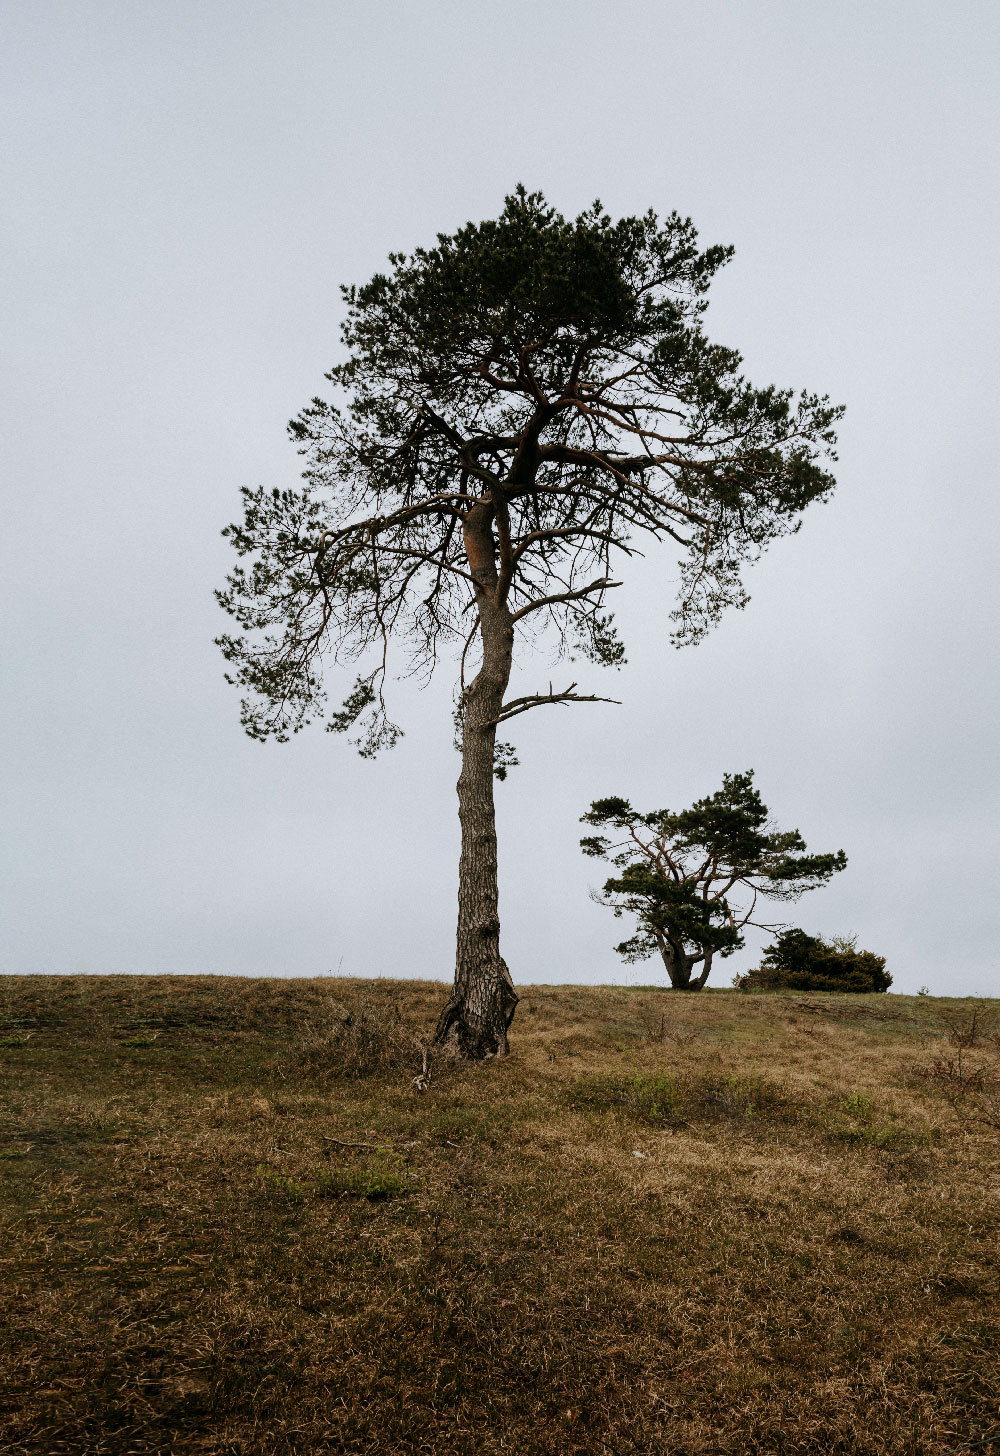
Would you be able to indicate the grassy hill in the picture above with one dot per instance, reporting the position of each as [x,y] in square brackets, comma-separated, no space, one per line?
[233,1223]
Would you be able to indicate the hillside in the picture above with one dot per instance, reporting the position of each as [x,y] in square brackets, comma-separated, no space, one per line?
[667,1224]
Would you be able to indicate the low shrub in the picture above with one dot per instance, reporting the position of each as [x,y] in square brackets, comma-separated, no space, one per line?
[801,962]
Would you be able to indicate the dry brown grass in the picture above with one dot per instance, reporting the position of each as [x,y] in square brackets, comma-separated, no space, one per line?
[802,1259]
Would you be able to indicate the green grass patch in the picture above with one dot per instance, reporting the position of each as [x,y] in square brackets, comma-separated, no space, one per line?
[677,1099]
[379,1179]
[672,1100]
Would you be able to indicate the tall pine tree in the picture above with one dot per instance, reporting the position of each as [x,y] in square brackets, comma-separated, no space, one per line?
[518,407]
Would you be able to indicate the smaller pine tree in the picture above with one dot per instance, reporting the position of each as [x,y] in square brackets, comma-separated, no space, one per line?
[801,962]
[693,879]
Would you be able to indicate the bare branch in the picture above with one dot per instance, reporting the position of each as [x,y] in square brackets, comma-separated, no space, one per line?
[536,700]
[602,584]
[567,533]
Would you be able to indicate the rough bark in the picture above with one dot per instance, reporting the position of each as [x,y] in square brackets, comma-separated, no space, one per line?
[680,966]
[700,980]
[475,1021]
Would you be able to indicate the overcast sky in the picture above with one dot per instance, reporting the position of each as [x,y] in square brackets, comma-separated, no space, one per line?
[185,186]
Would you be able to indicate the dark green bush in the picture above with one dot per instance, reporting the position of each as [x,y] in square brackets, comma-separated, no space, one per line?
[800,962]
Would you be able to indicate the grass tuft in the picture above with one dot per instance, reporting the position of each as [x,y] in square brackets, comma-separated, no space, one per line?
[364,1037]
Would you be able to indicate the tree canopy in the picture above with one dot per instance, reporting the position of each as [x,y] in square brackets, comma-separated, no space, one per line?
[693,879]
[556,373]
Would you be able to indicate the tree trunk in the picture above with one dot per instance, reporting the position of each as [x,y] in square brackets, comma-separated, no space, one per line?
[680,965]
[699,981]
[475,1021]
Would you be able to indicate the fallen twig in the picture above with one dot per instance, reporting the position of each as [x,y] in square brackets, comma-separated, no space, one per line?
[423,1078]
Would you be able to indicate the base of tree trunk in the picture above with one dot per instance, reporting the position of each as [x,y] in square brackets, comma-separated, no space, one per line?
[475,1021]
[682,976]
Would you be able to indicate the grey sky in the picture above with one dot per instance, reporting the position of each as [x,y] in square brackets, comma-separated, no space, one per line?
[186,185]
